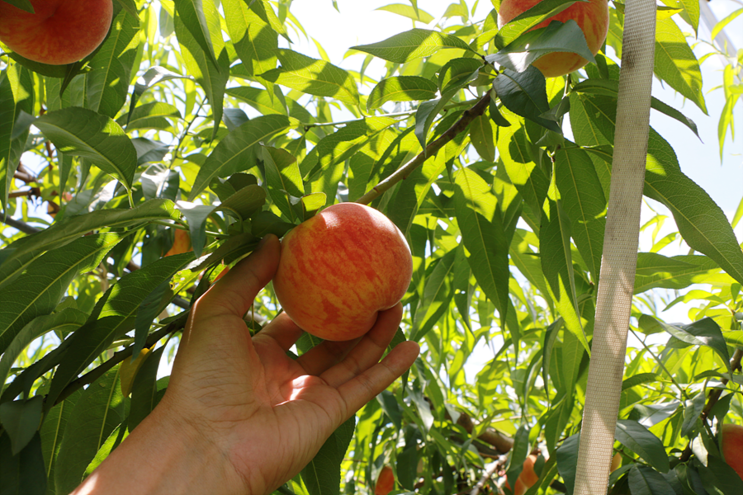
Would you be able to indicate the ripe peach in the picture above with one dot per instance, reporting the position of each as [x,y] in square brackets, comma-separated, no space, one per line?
[732,446]
[58,32]
[527,478]
[385,481]
[340,268]
[592,18]
[181,244]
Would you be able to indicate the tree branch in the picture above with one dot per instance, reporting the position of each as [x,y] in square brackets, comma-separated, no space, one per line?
[404,171]
[96,373]
[486,477]
[714,396]
[17,224]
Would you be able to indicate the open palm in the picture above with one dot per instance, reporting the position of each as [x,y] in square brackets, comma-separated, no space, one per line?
[266,412]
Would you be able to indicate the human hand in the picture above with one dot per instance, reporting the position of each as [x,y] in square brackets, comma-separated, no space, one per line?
[246,415]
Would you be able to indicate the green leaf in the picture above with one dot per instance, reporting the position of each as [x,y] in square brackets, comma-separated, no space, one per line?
[130,7]
[676,64]
[557,37]
[21,419]
[198,17]
[107,84]
[147,311]
[196,216]
[567,460]
[144,389]
[401,88]
[255,41]
[723,23]
[482,136]
[646,481]
[610,87]
[314,77]
[483,236]
[96,414]
[530,18]
[525,94]
[437,295]
[701,222]
[153,115]
[27,249]
[236,151]
[676,272]
[51,432]
[67,317]
[584,202]
[16,96]
[22,474]
[45,282]
[692,409]
[412,44]
[322,476]
[704,332]
[642,442]
[283,178]
[21,4]
[212,73]
[95,137]
[245,202]
[408,11]
[557,419]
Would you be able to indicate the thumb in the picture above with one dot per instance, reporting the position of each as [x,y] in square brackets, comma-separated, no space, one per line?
[235,292]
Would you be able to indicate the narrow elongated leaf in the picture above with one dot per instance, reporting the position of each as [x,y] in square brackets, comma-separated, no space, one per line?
[584,202]
[408,11]
[27,249]
[153,115]
[236,152]
[22,474]
[677,272]
[144,389]
[52,431]
[196,216]
[20,420]
[567,460]
[701,222]
[22,4]
[67,317]
[46,281]
[530,18]
[401,88]
[322,476]
[437,295]
[642,442]
[676,64]
[525,94]
[482,136]
[211,69]
[245,202]
[254,40]
[148,310]
[95,137]
[283,178]
[557,37]
[107,84]
[16,96]
[483,236]
[704,332]
[195,16]
[412,44]
[557,267]
[314,77]
[96,414]
[646,481]
[116,312]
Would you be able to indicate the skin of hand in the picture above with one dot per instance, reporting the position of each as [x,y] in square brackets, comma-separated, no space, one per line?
[240,416]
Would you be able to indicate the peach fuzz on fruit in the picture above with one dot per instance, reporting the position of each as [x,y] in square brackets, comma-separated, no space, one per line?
[592,17]
[58,32]
[340,268]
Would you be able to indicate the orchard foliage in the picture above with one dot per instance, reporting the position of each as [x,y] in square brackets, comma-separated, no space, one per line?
[204,117]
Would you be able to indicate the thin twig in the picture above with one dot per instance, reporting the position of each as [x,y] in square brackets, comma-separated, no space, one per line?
[714,396]
[17,224]
[404,171]
[96,373]
[485,478]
